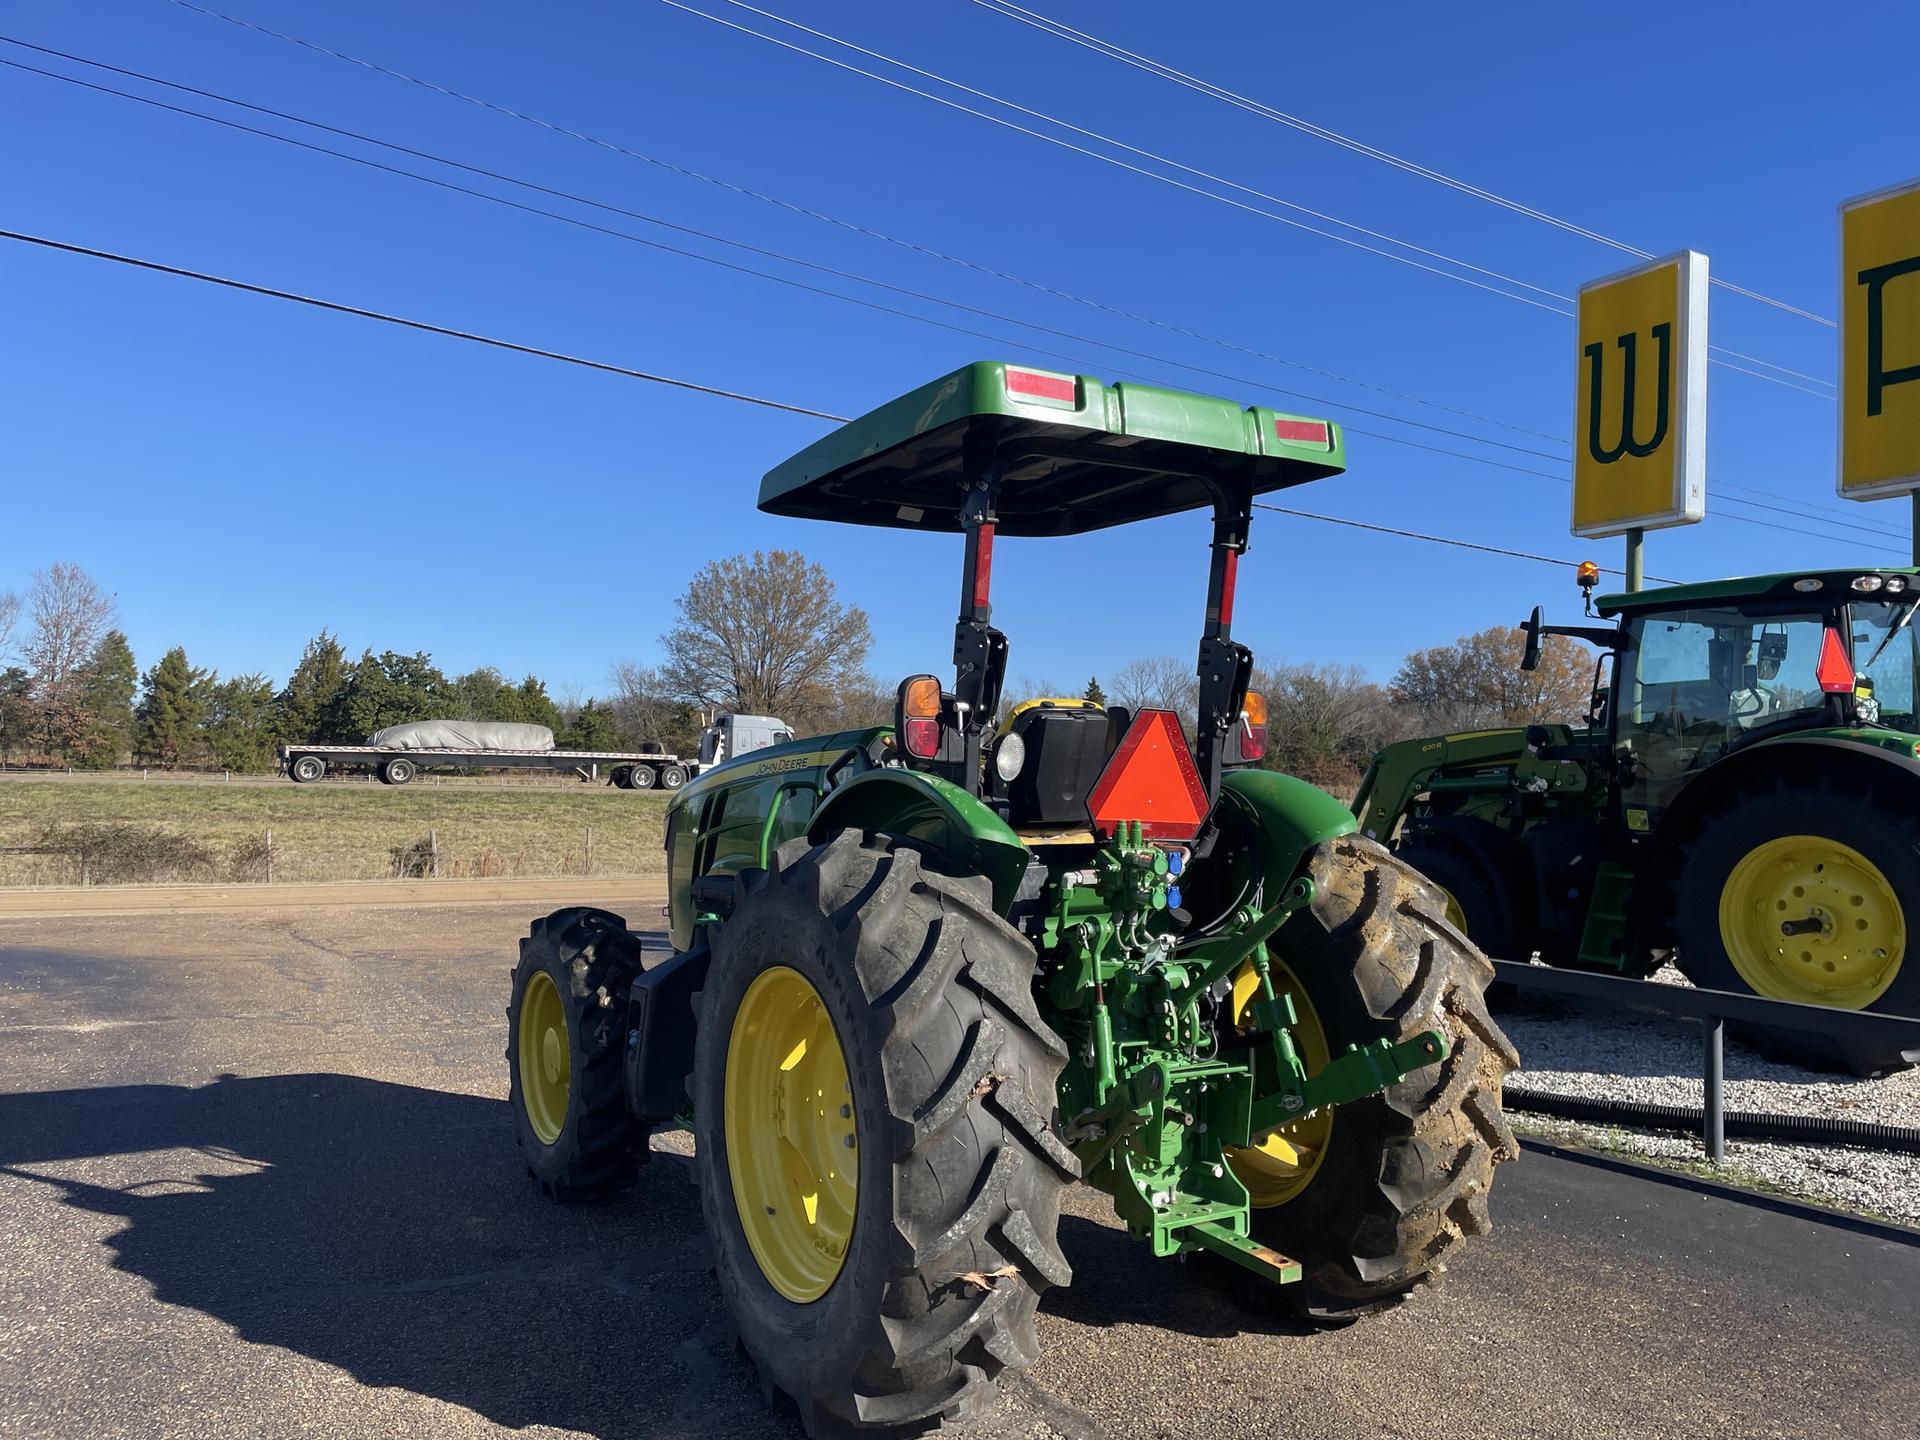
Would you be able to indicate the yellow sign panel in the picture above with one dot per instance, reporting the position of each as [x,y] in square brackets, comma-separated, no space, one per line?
[1880,343]
[1640,431]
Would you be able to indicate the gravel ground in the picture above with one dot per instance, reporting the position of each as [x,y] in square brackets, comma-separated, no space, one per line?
[1617,1055]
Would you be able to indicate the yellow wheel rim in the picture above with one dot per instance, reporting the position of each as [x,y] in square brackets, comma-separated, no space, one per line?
[1456,917]
[1284,1163]
[1807,918]
[792,1146]
[546,1057]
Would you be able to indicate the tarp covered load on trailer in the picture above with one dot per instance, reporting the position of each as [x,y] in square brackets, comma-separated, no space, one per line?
[462,735]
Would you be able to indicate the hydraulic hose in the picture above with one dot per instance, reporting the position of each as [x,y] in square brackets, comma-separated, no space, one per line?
[1740,1124]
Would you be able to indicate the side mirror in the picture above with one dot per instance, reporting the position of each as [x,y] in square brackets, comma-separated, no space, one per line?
[1531,660]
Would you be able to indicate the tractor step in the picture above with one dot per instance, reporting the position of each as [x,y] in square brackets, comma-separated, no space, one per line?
[1251,1255]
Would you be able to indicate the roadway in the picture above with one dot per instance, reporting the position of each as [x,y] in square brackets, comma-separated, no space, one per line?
[257,1177]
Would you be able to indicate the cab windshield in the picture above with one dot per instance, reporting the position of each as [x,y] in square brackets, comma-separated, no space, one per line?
[1883,653]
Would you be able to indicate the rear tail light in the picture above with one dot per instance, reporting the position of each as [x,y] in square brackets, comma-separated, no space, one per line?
[1834,670]
[1252,730]
[917,711]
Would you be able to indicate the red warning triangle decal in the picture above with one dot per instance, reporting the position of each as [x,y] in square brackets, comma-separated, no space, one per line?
[1151,778]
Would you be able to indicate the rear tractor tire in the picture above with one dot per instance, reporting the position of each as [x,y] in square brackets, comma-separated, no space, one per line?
[1811,893]
[874,1101]
[1372,1196]
[566,1051]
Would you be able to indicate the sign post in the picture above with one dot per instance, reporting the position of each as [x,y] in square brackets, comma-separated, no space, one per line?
[1879,450]
[1640,411]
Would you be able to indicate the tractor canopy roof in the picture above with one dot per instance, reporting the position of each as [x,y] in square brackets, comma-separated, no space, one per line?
[1811,585]
[1076,454]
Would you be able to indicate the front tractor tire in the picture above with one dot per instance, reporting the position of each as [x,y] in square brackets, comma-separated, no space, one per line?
[1806,892]
[566,1054]
[1372,1196]
[874,1101]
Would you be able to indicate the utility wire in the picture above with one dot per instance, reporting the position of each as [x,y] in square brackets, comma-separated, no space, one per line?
[788,205]
[274,293]
[1061,30]
[340,308]
[1817,511]
[1462,544]
[1558,309]
[674,250]
[1319,400]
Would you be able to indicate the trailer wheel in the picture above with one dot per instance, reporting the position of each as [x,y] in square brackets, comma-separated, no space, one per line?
[672,777]
[640,777]
[874,1095]
[307,769]
[396,772]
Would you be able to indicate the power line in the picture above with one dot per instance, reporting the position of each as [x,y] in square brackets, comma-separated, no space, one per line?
[1319,400]
[338,307]
[1815,511]
[1443,540]
[452,334]
[1062,31]
[1558,309]
[748,270]
[778,202]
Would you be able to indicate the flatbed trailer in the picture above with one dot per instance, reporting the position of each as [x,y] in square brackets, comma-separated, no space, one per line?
[630,770]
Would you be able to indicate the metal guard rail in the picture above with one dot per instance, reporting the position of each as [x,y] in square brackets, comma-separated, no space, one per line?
[1713,1008]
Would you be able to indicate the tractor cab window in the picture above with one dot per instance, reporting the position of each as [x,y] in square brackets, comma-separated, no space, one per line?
[1701,679]
[1883,653]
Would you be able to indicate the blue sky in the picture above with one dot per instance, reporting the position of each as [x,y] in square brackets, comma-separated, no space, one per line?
[242,472]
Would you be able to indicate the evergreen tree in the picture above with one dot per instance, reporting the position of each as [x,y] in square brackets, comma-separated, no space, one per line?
[301,708]
[107,688]
[240,723]
[16,713]
[534,706]
[590,729]
[173,706]
[1094,692]
[387,689]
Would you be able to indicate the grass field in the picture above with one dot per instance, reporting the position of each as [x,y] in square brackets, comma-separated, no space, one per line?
[66,832]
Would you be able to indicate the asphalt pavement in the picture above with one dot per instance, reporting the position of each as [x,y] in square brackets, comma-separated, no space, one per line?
[257,1178]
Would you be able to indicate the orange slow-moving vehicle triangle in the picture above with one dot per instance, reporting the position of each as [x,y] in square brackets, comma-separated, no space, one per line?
[1151,778]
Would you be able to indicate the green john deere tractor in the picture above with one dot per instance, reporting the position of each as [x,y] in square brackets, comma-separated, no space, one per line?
[926,976]
[1744,798]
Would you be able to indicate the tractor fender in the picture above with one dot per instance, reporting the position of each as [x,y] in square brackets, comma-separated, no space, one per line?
[1865,763]
[936,812]
[1292,817]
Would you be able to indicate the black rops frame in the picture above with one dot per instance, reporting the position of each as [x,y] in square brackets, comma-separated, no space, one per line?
[1224,666]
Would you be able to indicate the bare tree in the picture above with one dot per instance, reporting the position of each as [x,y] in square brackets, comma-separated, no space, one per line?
[765,634]
[1477,680]
[9,617]
[645,712]
[1157,682]
[70,614]
[1324,722]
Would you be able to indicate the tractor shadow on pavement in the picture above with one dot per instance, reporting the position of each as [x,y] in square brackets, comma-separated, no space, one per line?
[390,1231]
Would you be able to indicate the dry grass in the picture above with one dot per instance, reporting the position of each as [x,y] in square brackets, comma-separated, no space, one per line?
[77,831]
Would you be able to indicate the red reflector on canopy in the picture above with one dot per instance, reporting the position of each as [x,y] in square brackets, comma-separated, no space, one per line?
[1042,387]
[1313,432]
[1151,778]
[1834,670]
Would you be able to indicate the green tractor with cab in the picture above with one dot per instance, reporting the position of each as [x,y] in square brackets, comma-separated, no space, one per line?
[1742,799]
[926,976]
